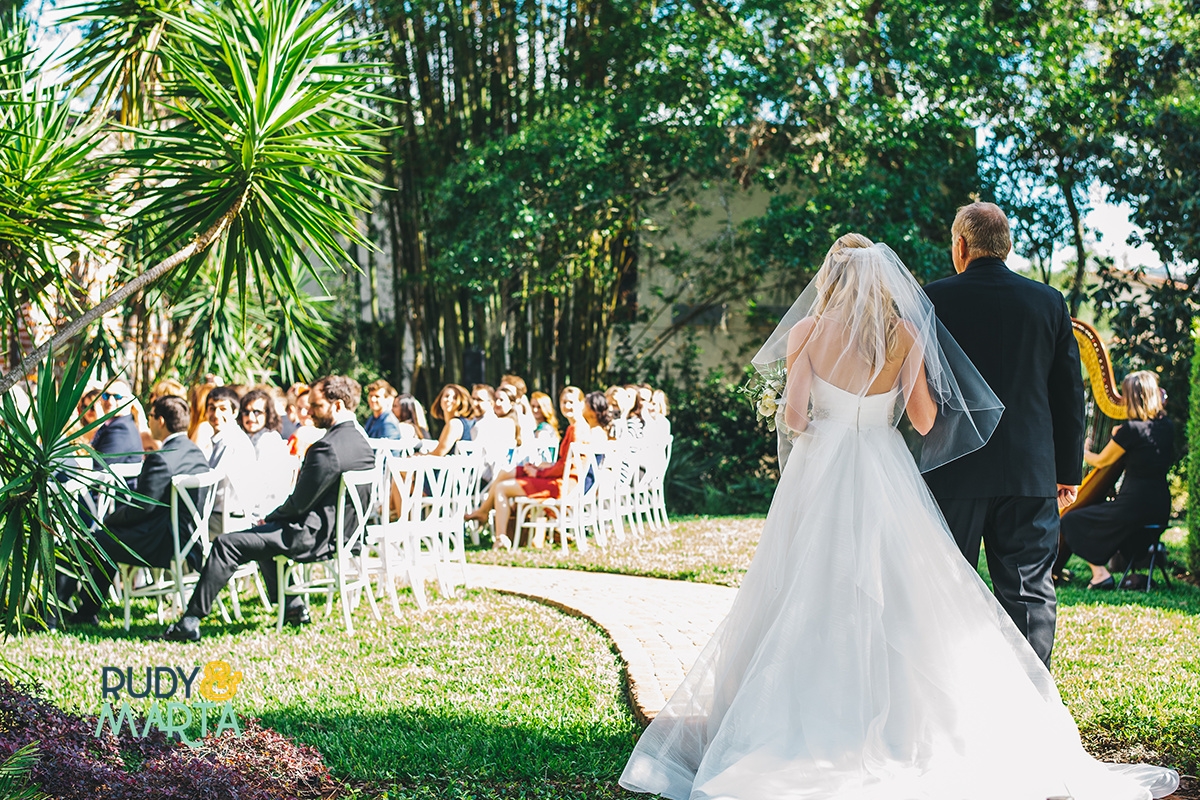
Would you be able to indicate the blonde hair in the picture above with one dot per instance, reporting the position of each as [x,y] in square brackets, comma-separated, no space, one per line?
[837,291]
[1141,394]
[660,400]
[541,402]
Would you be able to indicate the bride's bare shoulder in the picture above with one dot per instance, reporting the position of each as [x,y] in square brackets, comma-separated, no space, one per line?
[800,332]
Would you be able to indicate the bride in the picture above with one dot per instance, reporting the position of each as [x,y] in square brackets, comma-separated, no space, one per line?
[863,658]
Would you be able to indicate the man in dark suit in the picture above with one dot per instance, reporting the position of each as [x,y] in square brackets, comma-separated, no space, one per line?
[303,527]
[1017,333]
[146,529]
[118,440]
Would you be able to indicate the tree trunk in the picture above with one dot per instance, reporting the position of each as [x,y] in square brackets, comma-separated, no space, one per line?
[84,320]
[1075,295]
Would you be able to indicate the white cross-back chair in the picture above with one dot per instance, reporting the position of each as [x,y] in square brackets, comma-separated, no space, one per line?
[172,580]
[403,546]
[653,456]
[569,514]
[346,573]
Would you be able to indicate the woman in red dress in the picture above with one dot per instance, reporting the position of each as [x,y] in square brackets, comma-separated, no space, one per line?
[538,482]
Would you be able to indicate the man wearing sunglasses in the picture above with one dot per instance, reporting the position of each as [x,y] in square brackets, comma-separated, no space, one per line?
[118,440]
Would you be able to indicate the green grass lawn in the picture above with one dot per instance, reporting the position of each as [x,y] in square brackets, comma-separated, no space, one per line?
[488,696]
[482,696]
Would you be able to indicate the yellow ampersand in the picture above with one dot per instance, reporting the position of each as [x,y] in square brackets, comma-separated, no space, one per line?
[220,682]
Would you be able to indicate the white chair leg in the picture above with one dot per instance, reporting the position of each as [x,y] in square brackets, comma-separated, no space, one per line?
[281,600]
[127,593]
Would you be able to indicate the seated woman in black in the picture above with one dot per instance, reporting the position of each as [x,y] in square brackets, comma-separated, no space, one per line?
[1146,440]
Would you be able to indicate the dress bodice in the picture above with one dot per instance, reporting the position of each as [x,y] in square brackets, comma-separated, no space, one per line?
[831,404]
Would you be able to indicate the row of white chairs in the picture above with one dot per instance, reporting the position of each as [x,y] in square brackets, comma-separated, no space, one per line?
[607,486]
[625,488]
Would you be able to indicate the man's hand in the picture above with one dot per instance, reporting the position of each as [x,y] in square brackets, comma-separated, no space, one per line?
[1066,495]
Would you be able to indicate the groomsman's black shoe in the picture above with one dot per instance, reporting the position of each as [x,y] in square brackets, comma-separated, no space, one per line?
[186,630]
[297,616]
[83,618]
[1105,585]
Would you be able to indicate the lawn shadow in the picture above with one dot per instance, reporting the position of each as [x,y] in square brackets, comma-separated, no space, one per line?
[409,745]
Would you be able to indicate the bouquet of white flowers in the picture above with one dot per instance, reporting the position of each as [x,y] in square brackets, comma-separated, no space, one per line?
[765,390]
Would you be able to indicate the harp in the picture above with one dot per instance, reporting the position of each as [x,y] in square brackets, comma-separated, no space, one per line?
[1105,408]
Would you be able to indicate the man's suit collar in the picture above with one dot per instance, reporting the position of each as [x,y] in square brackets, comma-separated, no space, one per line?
[987,262]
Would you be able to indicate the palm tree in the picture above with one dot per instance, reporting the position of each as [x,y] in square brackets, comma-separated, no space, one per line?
[228,136]
[252,126]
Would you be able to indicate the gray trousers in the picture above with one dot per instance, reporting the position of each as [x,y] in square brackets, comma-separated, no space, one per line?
[1020,537]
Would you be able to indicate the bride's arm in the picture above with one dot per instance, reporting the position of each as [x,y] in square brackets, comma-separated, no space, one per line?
[921,410]
[799,376]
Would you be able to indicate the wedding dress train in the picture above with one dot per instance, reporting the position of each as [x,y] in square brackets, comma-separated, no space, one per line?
[864,659]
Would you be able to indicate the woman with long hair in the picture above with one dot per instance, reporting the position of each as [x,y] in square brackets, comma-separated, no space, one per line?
[199,431]
[410,415]
[1146,440]
[453,407]
[545,430]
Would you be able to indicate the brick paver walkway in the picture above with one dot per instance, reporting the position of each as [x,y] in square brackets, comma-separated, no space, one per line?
[658,626]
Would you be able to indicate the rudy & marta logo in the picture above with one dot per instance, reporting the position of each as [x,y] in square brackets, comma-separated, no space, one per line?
[215,685]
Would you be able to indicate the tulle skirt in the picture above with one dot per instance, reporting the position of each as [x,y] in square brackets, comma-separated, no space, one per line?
[864,659]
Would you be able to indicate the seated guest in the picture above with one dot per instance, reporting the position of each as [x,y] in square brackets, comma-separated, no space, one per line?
[290,420]
[598,404]
[88,411]
[306,431]
[453,406]
[381,424]
[260,421]
[410,416]
[621,400]
[654,416]
[498,433]
[146,530]
[545,429]
[1146,441]
[483,400]
[199,431]
[118,440]
[540,482]
[234,457]
[259,418]
[303,527]
[525,421]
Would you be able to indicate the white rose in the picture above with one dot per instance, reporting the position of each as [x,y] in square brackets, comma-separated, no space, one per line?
[767,406]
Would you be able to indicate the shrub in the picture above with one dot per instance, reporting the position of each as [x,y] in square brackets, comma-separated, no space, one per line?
[74,764]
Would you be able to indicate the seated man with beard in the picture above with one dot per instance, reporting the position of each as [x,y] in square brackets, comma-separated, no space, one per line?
[303,527]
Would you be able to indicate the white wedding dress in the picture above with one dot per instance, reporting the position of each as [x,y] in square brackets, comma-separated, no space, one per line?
[863,658]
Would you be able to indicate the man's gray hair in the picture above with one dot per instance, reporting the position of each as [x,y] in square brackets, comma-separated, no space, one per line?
[985,228]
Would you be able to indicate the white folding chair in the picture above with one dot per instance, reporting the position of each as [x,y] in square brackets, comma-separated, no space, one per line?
[571,509]
[172,581]
[404,545]
[449,508]
[649,502]
[346,573]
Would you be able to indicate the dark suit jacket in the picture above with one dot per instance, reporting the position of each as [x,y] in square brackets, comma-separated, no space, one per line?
[147,529]
[1017,333]
[308,515]
[118,435]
